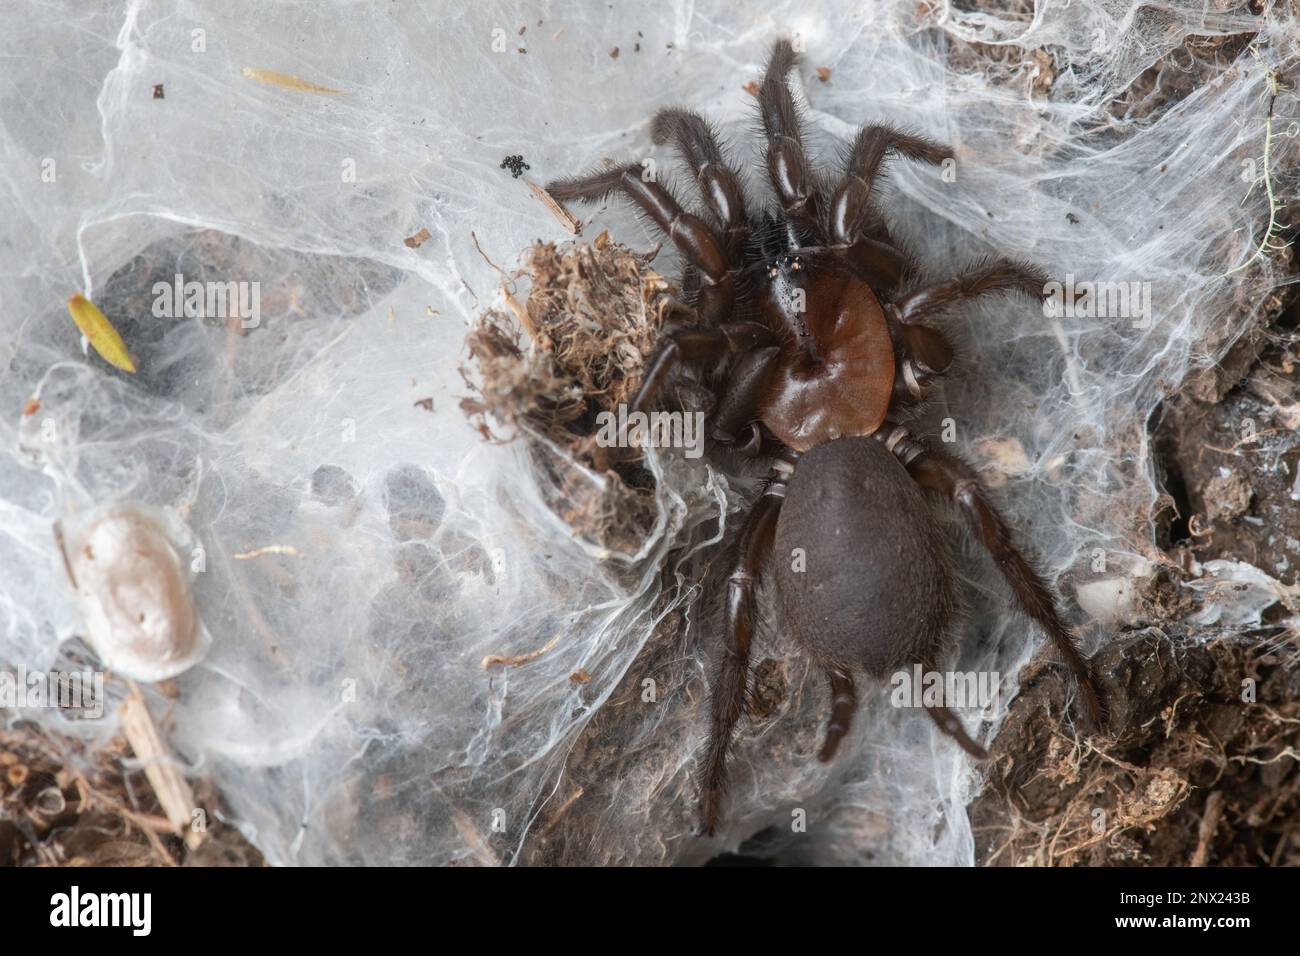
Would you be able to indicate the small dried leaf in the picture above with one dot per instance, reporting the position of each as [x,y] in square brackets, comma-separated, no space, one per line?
[99,332]
[417,240]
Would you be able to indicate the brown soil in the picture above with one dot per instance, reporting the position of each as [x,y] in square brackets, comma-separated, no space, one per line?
[1194,770]
[1195,775]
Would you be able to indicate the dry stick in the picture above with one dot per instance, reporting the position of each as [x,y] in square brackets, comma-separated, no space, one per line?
[561,811]
[1281,845]
[173,791]
[521,314]
[518,659]
[469,833]
[507,284]
[268,549]
[486,257]
[1209,823]
[148,825]
[567,219]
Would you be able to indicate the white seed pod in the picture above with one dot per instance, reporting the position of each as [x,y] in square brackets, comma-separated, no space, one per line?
[135,594]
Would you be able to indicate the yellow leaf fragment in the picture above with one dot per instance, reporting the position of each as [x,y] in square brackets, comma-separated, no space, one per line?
[286,81]
[99,332]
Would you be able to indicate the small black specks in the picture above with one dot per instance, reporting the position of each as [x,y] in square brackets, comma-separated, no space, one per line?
[515,164]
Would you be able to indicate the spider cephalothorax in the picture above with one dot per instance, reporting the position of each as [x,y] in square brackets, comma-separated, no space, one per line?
[810,317]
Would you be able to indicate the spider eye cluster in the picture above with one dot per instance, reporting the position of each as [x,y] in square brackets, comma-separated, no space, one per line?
[785,264]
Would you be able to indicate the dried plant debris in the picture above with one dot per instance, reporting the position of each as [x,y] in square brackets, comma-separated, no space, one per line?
[546,368]
[287,81]
[417,240]
[1204,768]
[571,223]
[63,803]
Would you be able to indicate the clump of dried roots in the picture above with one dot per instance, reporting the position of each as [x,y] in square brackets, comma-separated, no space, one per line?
[592,314]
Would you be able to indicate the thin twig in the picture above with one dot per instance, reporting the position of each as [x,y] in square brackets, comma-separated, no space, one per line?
[1209,823]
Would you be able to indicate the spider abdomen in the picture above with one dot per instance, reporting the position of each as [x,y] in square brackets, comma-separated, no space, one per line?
[864,569]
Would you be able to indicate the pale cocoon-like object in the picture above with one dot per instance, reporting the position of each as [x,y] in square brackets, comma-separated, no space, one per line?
[136,597]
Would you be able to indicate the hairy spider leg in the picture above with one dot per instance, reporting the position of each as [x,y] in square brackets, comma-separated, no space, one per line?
[788,168]
[727,693]
[947,721]
[701,249]
[855,227]
[844,702]
[697,344]
[850,208]
[957,483]
[984,278]
[718,182]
